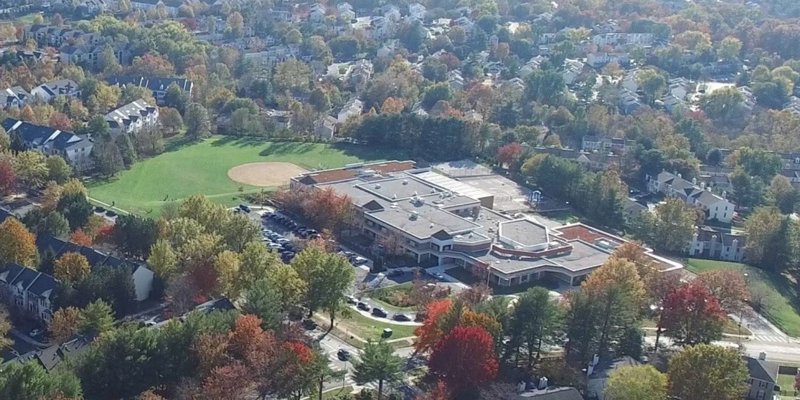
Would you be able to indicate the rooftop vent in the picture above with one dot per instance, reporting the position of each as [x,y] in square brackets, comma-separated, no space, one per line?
[377,186]
[405,181]
[413,216]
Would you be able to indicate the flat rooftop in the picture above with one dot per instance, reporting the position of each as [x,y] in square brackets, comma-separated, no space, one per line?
[461,168]
[453,185]
[340,174]
[524,233]
[399,188]
[421,221]
[582,257]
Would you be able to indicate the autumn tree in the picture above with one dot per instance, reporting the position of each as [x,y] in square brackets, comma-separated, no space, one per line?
[617,292]
[464,359]
[7,177]
[377,363]
[771,239]
[640,382]
[692,315]
[287,282]
[430,332]
[328,276]
[71,267]
[78,236]
[170,119]
[5,328]
[163,260]
[30,168]
[65,324]
[17,244]
[727,286]
[706,371]
[509,153]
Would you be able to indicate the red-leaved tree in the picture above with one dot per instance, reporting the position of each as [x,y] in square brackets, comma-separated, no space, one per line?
[7,177]
[509,153]
[430,333]
[692,314]
[464,359]
[227,382]
[78,236]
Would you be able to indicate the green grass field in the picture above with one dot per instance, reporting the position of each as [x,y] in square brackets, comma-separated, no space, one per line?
[201,168]
[778,294]
[786,382]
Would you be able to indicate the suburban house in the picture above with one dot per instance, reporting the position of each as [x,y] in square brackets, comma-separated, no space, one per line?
[132,117]
[141,276]
[353,108]
[598,143]
[762,382]
[673,185]
[601,58]
[15,97]
[28,290]
[436,220]
[170,6]
[76,149]
[50,357]
[708,242]
[46,92]
[325,128]
[157,85]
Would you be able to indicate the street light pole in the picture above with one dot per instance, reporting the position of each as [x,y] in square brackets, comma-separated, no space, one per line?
[658,325]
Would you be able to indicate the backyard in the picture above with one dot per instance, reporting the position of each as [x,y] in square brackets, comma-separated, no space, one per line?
[202,167]
[776,292]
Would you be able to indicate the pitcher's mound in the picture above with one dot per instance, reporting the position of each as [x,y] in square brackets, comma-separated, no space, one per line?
[266,174]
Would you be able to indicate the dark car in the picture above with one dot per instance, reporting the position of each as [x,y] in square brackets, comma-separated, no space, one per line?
[244,207]
[343,354]
[99,209]
[395,272]
[401,318]
[363,306]
[378,312]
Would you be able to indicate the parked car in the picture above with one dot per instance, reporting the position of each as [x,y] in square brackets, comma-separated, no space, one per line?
[396,272]
[35,332]
[401,318]
[359,260]
[351,300]
[379,312]
[362,306]
[244,207]
[343,354]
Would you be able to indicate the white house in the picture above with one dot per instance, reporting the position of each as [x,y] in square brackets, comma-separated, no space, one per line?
[716,207]
[28,290]
[132,117]
[711,243]
[352,108]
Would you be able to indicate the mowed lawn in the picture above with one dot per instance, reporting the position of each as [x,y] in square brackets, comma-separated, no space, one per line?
[202,167]
[778,293]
